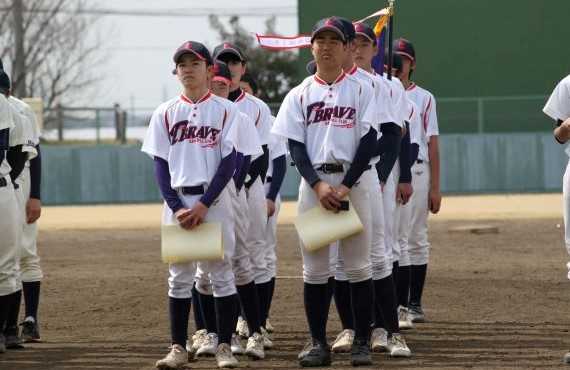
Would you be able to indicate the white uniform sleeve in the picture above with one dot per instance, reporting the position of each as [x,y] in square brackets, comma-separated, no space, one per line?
[415,125]
[367,113]
[277,146]
[264,123]
[384,104]
[35,128]
[157,140]
[290,122]
[6,120]
[17,135]
[230,130]
[558,105]
[430,118]
[249,143]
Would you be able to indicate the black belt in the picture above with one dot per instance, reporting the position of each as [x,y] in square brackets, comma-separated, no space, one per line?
[330,168]
[419,161]
[3,182]
[193,190]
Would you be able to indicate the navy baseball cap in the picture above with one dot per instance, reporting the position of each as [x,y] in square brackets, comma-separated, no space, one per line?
[5,84]
[311,67]
[193,47]
[222,72]
[231,49]
[396,61]
[362,29]
[348,27]
[405,48]
[329,24]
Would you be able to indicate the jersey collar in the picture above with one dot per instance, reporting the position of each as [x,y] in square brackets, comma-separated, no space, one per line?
[202,99]
[411,87]
[352,71]
[340,77]
[240,97]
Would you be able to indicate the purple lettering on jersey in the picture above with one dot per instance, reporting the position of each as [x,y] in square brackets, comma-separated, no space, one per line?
[311,108]
[205,136]
[336,116]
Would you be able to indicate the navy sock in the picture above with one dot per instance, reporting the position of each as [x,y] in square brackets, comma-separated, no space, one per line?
[208,312]
[317,299]
[378,318]
[250,303]
[404,276]
[197,309]
[32,298]
[264,292]
[271,293]
[179,309]
[343,303]
[225,313]
[360,294]
[417,283]
[4,303]
[395,272]
[13,313]
[386,302]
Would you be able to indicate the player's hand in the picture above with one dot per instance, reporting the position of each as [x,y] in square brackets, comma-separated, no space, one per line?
[404,193]
[327,195]
[33,210]
[434,200]
[270,208]
[342,191]
[181,216]
[195,216]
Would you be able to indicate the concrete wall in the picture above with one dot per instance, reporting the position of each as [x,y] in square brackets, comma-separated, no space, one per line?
[470,164]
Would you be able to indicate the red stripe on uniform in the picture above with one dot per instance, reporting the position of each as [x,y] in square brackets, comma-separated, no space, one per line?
[426,114]
[257,119]
[225,118]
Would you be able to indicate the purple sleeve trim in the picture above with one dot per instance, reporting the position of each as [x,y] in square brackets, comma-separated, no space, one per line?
[220,180]
[162,173]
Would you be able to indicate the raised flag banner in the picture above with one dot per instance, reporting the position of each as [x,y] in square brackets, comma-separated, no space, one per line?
[380,13]
[282,42]
[380,32]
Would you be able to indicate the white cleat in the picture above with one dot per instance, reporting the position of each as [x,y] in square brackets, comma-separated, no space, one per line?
[268,326]
[225,358]
[209,345]
[379,340]
[241,328]
[267,342]
[343,341]
[237,348]
[175,359]
[255,347]
[404,319]
[198,338]
[398,347]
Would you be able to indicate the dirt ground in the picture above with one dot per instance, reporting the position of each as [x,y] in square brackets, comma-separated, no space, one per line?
[494,301]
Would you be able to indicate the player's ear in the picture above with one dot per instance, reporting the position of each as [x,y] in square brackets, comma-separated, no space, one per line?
[210,71]
[413,65]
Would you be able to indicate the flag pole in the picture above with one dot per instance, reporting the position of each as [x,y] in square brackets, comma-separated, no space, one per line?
[390,38]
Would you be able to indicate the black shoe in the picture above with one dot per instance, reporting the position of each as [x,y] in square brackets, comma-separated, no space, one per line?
[12,339]
[360,353]
[416,313]
[30,330]
[319,354]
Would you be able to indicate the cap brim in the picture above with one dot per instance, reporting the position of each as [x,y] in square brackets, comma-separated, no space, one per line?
[180,53]
[329,28]
[231,51]
[364,34]
[404,54]
[311,67]
[222,79]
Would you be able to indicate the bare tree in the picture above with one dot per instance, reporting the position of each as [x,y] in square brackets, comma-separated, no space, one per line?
[60,51]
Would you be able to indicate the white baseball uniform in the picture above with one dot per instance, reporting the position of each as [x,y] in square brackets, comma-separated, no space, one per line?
[29,259]
[260,114]
[558,108]
[10,222]
[330,120]
[418,244]
[193,137]
[277,148]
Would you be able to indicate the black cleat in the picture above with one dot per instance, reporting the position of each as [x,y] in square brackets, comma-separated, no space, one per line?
[30,330]
[12,338]
[317,355]
[360,353]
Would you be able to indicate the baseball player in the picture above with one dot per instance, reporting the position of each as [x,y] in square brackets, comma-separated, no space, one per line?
[248,84]
[248,146]
[192,139]
[28,192]
[329,122]
[558,108]
[259,113]
[425,181]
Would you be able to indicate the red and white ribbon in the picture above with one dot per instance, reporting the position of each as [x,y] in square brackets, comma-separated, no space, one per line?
[282,42]
[379,13]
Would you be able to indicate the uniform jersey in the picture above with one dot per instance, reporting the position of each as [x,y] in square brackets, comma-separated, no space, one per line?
[558,105]
[277,148]
[425,103]
[415,125]
[6,122]
[258,112]
[27,111]
[193,137]
[25,131]
[329,119]
[248,138]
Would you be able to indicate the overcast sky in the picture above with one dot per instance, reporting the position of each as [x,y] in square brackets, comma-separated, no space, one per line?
[138,70]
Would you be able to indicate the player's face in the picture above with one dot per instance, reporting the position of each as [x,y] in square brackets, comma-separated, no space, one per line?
[246,87]
[328,50]
[407,67]
[192,72]
[220,89]
[237,69]
[364,51]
